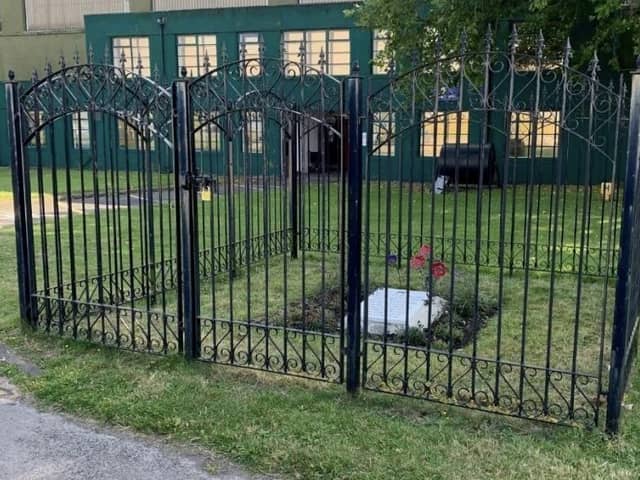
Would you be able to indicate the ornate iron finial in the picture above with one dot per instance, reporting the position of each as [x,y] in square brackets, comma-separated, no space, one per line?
[540,45]
[261,50]
[568,53]
[47,68]
[12,75]
[34,76]
[594,65]
[62,62]
[514,40]
[139,66]
[183,72]
[156,73]
[488,38]
[302,54]
[207,62]
[283,47]
[76,56]
[322,61]
[123,59]
[90,55]
[243,50]
[355,68]
[464,42]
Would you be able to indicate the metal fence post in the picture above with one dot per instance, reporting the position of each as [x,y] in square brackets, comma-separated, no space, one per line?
[353,98]
[294,178]
[21,204]
[186,221]
[622,347]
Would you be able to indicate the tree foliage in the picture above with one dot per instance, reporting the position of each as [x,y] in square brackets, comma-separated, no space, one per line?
[610,27]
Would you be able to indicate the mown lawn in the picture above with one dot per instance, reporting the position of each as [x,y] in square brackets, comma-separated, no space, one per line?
[303,429]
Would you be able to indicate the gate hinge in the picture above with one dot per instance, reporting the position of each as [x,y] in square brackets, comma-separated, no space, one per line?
[197,182]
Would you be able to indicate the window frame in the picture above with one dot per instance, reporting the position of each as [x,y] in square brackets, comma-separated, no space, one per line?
[445,122]
[328,45]
[200,54]
[135,54]
[383,137]
[209,138]
[550,118]
[80,130]
[376,51]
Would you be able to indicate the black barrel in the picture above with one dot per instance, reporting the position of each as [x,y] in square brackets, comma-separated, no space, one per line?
[470,160]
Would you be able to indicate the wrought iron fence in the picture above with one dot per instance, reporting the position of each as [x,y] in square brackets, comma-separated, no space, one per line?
[463,231]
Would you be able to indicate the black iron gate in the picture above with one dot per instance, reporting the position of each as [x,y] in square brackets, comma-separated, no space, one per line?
[261,176]
[460,233]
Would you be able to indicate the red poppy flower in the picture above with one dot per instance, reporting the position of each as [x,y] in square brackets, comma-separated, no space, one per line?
[417,262]
[425,251]
[438,270]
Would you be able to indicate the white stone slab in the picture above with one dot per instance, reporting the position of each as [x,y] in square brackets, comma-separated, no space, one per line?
[395,301]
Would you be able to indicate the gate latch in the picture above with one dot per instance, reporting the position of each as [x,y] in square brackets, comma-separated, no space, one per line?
[197,182]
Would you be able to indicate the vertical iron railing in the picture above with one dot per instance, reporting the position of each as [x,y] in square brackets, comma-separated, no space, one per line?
[186,221]
[354,234]
[625,322]
[21,204]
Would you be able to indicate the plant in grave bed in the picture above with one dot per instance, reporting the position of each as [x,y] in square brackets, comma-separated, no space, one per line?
[468,305]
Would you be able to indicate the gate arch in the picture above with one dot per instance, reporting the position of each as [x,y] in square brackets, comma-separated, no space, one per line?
[267,137]
[97,143]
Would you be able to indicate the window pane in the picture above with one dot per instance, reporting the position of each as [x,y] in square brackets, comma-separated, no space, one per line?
[254,125]
[442,129]
[80,130]
[546,138]
[383,129]
[208,137]
[134,51]
[251,43]
[194,51]
[380,41]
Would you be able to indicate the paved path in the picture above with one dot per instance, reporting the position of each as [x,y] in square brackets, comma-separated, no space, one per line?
[36,445]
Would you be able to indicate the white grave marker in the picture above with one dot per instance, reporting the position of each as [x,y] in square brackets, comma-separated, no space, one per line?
[396,310]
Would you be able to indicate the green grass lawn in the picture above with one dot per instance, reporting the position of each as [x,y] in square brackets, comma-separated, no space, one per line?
[304,429]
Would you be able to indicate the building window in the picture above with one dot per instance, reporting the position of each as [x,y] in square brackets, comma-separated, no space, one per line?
[133,50]
[193,50]
[67,14]
[254,132]
[128,136]
[548,134]
[250,46]
[207,138]
[383,130]
[334,44]
[80,130]
[437,131]
[380,42]
[34,120]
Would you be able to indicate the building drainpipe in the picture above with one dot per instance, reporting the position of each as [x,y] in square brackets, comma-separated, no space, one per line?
[162,21]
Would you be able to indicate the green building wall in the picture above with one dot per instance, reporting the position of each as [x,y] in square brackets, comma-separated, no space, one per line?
[270,22]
